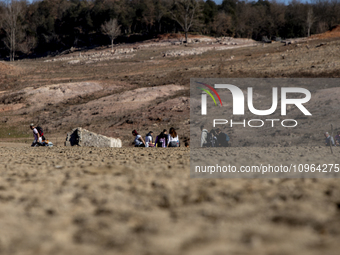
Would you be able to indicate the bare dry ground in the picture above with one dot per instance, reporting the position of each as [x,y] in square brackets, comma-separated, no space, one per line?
[141,201]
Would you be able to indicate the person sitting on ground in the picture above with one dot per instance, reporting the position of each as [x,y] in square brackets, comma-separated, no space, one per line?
[139,142]
[222,138]
[337,139]
[37,137]
[148,139]
[329,139]
[204,137]
[162,139]
[173,140]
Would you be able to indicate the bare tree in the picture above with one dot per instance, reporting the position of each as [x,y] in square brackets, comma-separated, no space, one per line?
[310,19]
[11,25]
[184,12]
[112,29]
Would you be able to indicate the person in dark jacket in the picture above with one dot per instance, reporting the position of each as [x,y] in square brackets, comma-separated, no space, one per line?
[222,138]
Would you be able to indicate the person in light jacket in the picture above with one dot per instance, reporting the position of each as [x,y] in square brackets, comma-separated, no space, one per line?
[149,139]
[204,137]
[173,140]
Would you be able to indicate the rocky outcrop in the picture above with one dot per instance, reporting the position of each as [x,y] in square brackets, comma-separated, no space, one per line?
[119,53]
[83,137]
[218,45]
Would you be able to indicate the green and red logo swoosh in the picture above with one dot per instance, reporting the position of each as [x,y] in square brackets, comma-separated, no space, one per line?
[208,92]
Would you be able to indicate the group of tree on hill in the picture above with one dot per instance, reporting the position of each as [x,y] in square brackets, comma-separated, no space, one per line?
[37,28]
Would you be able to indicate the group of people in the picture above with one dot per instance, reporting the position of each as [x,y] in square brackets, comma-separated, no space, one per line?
[214,138]
[330,141]
[163,140]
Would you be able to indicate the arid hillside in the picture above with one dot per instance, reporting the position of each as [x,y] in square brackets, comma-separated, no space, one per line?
[143,86]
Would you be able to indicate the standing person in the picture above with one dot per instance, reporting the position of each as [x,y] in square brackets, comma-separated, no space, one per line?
[149,139]
[204,136]
[222,138]
[173,140]
[329,139]
[162,139]
[139,142]
[37,137]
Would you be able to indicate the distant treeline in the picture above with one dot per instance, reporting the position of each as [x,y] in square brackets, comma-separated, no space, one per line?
[47,26]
